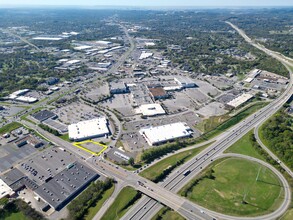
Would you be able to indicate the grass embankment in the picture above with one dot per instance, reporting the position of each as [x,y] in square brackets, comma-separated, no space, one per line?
[245,146]
[167,214]
[154,172]
[125,199]
[92,211]
[88,199]
[217,124]
[288,215]
[16,216]
[65,137]
[9,127]
[229,190]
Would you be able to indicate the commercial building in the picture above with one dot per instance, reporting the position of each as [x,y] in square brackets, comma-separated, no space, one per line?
[63,187]
[44,115]
[18,96]
[185,82]
[104,43]
[145,55]
[29,139]
[165,133]
[89,129]
[158,93]
[5,190]
[240,100]
[254,73]
[150,110]
[118,88]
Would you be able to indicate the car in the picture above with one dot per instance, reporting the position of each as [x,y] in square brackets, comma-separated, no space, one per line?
[201,211]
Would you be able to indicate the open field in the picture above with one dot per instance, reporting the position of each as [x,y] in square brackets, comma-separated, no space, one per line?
[9,127]
[167,214]
[125,199]
[234,192]
[244,146]
[154,171]
[217,124]
[94,209]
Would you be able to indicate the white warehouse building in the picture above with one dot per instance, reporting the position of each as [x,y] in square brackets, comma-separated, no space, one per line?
[165,133]
[94,128]
[184,82]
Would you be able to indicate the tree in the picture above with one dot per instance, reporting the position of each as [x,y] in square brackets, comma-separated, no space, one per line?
[131,161]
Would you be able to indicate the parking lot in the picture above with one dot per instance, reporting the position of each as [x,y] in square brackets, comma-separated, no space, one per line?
[133,141]
[75,112]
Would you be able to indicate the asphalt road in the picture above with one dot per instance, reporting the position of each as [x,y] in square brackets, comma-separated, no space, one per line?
[166,193]
[176,180]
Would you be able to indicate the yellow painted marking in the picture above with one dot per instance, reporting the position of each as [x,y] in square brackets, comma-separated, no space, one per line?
[79,145]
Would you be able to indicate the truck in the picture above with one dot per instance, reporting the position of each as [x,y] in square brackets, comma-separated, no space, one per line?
[186,172]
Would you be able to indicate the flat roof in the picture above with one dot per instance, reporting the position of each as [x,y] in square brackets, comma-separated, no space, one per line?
[145,55]
[89,129]
[184,80]
[164,133]
[48,38]
[118,85]
[240,100]
[4,189]
[158,91]
[150,110]
[61,188]
[82,47]
[49,163]
[43,115]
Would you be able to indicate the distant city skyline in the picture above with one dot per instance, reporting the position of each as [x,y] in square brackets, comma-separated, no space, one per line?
[142,3]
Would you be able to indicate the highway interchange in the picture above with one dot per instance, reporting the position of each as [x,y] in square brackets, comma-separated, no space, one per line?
[165,192]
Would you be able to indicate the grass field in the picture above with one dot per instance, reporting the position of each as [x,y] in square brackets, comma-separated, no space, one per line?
[217,124]
[16,216]
[93,210]
[10,127]
[244,146]
[125,199]
[152,172]
[288,215]
[167,214]
[231,186]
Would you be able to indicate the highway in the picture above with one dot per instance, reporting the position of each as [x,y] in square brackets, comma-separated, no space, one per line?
[177,180]
[165,192]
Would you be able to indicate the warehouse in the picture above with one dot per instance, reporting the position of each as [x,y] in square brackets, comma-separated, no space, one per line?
[62,188]
[165,133]
[44,115]
[150,110]
[89,129]
[118,88]
[158,93]
[5,190]
[185,82]
[240,100]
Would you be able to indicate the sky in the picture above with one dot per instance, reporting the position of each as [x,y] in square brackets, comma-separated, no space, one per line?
[151,2]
